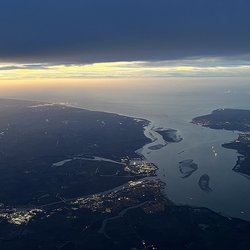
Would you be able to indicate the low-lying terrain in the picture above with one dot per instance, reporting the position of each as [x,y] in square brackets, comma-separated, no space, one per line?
[70,179]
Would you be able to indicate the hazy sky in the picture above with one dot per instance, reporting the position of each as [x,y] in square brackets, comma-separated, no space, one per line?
[124,38]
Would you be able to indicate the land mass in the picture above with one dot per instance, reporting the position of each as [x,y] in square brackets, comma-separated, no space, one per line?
[232,119]
[242,145]
[70,179]
[169,135]
[229,119]
[34,136]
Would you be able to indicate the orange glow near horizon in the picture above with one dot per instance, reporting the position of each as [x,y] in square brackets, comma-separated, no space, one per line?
[109,70]
[25,80]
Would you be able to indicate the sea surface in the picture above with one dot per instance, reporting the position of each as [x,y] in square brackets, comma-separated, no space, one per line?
[172,103]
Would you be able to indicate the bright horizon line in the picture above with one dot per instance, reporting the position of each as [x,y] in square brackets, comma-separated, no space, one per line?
[124,69]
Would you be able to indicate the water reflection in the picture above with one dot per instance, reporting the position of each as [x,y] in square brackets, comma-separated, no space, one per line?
[204,183]
[187,167]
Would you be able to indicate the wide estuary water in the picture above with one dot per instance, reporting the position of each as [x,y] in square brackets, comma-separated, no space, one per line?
[172,103]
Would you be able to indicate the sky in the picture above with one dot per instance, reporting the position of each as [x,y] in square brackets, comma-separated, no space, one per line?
[123,38]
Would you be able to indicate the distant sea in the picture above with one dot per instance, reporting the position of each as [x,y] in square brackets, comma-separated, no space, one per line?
[172,103]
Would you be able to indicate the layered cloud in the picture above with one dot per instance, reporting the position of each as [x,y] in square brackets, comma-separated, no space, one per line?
[137,69]
[89,31]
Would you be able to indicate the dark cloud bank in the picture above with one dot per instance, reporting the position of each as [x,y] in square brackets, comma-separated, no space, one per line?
[109,30]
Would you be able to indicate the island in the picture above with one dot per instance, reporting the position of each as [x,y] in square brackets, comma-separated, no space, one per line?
[157,147]
[187,167]
[72,179]
[236,120]
[204,183]
[169,135]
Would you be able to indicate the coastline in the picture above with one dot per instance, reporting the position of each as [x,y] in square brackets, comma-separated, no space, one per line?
[100,214]
[150,133]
